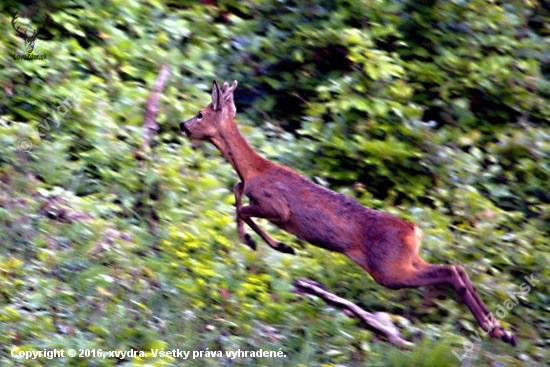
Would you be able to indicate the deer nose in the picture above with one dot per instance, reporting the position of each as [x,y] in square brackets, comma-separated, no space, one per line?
[184,129]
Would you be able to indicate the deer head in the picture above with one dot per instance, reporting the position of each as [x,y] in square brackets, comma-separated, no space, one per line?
[209,121]
[29,40]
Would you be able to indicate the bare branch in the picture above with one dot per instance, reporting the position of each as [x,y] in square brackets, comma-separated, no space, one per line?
[150,124]
[307,286]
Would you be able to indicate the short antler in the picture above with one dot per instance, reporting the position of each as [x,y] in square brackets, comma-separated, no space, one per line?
[227,91]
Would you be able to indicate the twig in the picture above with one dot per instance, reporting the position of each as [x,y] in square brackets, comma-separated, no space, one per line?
[308,286]
[300,98]
[150,124]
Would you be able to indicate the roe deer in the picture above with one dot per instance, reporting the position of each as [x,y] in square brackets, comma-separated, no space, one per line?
[382,244]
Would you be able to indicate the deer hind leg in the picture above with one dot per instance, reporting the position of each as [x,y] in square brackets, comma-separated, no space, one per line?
[410,271]
[495,329]
[455,275]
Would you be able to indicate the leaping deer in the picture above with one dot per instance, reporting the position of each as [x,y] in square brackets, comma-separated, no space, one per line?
[29,40]
[383,245]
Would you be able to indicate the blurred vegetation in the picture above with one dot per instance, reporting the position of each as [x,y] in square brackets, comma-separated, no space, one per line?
[435,111]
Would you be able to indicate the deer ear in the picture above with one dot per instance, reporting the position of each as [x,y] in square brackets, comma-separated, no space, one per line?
[216,94]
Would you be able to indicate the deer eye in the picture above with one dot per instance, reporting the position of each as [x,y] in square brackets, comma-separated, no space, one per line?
[199,115]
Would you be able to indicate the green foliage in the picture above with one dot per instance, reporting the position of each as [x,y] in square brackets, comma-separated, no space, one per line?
[437,112]
[427,354]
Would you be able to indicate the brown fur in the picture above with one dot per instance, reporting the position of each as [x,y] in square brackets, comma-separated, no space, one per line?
[382,244]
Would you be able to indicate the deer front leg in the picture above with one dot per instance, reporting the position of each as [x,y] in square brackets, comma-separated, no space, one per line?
[245,237]
[247,212]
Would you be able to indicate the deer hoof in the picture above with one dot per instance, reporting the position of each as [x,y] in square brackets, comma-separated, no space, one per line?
[284,248]
[508,338]
[505,336]
[249,241]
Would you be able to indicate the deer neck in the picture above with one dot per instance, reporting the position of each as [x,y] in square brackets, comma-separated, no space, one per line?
[246,162]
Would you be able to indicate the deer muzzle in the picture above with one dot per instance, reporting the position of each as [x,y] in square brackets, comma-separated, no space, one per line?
[184,129]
